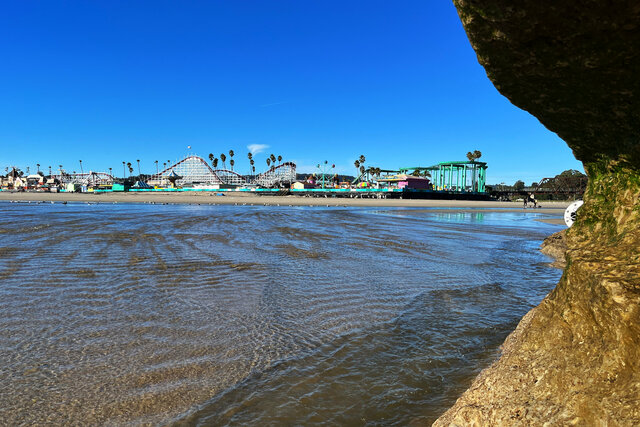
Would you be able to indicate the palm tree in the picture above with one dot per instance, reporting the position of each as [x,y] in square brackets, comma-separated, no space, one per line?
[157,171]
[473,156]
[231,162]
[38,165]
[268,161]
[279,159]
[81,170]
[211,157]
[111,171]
[273,159]
[253,168]
[357,165]
[214,163]
[362,158]
[49,170]
[223,158]
[138,167]
[124,172]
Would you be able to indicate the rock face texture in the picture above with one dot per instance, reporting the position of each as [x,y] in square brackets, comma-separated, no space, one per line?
[571,64]
[555,246]
[576,357]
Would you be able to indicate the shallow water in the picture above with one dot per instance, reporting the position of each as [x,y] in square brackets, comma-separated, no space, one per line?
[224,315]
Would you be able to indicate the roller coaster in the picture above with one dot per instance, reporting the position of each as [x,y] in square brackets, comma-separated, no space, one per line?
[277,175]
[194,170]
[91,179]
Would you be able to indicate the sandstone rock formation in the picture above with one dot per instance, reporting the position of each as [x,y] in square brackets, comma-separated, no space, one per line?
[555,246]
[576,357]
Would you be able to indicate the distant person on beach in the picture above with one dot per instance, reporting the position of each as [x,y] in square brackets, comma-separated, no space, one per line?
[530,199]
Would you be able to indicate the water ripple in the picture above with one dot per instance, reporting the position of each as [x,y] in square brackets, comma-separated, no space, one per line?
[220,315]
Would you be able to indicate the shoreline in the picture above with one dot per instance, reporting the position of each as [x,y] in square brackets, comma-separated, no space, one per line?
[252,199]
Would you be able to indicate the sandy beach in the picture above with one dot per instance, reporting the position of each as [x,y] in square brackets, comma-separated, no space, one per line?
[551,208]
[245,198]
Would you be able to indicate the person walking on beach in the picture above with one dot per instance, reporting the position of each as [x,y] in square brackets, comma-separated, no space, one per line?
[530,199]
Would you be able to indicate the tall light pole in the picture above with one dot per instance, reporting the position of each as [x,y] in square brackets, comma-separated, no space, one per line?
[81,170]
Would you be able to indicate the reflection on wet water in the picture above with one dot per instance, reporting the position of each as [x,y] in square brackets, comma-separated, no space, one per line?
[254,315]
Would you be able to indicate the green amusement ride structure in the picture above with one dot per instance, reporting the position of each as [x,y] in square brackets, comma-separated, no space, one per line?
[463,176]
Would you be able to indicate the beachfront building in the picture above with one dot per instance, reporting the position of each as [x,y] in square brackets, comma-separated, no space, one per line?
[404,181]
[13,180]
[35,180]
[302,185]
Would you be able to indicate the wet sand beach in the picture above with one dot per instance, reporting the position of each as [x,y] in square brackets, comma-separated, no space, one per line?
[248,199]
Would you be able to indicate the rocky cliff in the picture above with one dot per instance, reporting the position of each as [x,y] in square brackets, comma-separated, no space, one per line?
[576,357]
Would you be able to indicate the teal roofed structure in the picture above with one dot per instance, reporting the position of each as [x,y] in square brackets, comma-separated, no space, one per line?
[461,176]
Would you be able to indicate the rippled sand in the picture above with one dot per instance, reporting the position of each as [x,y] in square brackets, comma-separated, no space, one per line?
[135,314]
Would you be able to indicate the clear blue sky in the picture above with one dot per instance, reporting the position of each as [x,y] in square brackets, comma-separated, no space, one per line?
[107,81]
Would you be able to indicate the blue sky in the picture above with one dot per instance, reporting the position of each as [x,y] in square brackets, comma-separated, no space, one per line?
[112,81]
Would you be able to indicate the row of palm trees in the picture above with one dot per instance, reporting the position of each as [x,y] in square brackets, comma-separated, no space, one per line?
[223,158]
[359,163]
[125,165]
[360,168]
[214,162]
[375,171]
